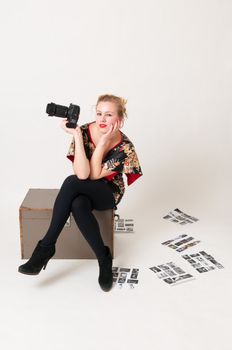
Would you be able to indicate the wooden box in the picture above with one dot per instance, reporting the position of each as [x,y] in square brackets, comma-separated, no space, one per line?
[35,215]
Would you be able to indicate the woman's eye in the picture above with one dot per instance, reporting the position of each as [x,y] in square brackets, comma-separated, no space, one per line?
[108,115]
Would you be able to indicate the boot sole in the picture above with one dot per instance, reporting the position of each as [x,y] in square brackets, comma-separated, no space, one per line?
[28,273]
[36,273]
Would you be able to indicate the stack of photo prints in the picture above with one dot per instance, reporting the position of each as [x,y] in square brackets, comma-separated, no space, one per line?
[200,261]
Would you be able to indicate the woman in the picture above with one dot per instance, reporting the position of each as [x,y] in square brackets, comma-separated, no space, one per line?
[100,154]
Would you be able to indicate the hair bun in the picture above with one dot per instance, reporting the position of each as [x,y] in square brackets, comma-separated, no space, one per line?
[124,101]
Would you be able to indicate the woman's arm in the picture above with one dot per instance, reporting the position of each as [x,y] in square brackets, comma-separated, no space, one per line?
[96,170]
[81,166]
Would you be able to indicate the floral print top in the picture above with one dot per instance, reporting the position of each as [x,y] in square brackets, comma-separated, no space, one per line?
[122,159]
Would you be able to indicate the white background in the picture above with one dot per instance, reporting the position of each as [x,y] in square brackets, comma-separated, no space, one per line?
[172,60]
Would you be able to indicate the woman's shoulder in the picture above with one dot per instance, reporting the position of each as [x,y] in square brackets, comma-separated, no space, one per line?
[126,140]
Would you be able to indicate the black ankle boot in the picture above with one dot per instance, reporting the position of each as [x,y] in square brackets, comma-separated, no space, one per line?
[40,257]
[106,276]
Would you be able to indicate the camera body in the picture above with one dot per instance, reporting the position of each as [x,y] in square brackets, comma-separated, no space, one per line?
[71,113]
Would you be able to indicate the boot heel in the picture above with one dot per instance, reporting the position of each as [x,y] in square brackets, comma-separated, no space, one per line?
[44,267]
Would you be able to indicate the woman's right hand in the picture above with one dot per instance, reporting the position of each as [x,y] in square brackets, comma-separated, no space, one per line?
[72,131]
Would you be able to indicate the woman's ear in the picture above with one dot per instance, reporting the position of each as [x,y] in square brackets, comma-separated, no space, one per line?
[121,123]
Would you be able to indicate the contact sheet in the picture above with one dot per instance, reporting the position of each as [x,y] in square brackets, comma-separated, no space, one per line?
[123,276]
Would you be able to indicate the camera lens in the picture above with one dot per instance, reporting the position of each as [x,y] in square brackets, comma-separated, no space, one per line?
[51,108]
[56,110]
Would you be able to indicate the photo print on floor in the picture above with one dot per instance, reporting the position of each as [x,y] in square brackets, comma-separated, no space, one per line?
[202,262]
[123,276]
[180,217]
[123,225]
[171,274]
[181,242]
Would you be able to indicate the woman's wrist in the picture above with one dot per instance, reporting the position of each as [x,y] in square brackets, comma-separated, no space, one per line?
[102,143]
[78,139]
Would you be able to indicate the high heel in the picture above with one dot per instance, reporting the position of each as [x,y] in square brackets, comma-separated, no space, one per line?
[44,267]
[105,278]
[39,259]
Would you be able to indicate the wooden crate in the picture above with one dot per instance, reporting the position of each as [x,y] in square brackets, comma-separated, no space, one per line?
[35,215]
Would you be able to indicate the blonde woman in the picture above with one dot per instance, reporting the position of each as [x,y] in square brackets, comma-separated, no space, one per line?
[100,153]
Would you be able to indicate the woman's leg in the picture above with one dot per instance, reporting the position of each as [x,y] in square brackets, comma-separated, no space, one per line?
[87,223]
[100,196]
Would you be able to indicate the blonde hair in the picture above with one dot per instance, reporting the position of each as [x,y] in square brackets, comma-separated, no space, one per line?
[120,102]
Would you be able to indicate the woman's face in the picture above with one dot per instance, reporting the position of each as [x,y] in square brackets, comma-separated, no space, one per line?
[106,114]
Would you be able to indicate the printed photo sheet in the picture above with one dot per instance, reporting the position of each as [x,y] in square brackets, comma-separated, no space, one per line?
[181,242]
[180,217]
[125,276]
[171,274]
[202,261]
[123,225]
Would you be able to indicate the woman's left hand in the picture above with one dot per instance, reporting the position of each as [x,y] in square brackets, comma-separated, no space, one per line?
[110,134]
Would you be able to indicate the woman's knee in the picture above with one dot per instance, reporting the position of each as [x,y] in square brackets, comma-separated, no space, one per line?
[71,180]
[81,203]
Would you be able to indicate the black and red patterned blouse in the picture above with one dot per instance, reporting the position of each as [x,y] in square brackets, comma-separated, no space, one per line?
[122,159]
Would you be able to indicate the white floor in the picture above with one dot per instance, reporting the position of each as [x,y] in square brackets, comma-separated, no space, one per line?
[64,308]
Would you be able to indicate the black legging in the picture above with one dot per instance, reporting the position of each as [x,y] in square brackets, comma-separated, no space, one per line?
[80,197]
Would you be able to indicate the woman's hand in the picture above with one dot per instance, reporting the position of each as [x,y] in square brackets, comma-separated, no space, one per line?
[75,132]
[110,134]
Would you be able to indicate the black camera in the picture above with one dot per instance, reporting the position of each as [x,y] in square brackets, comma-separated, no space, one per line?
[71,113]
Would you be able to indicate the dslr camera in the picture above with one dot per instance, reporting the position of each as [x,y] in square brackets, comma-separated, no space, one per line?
[71,113]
